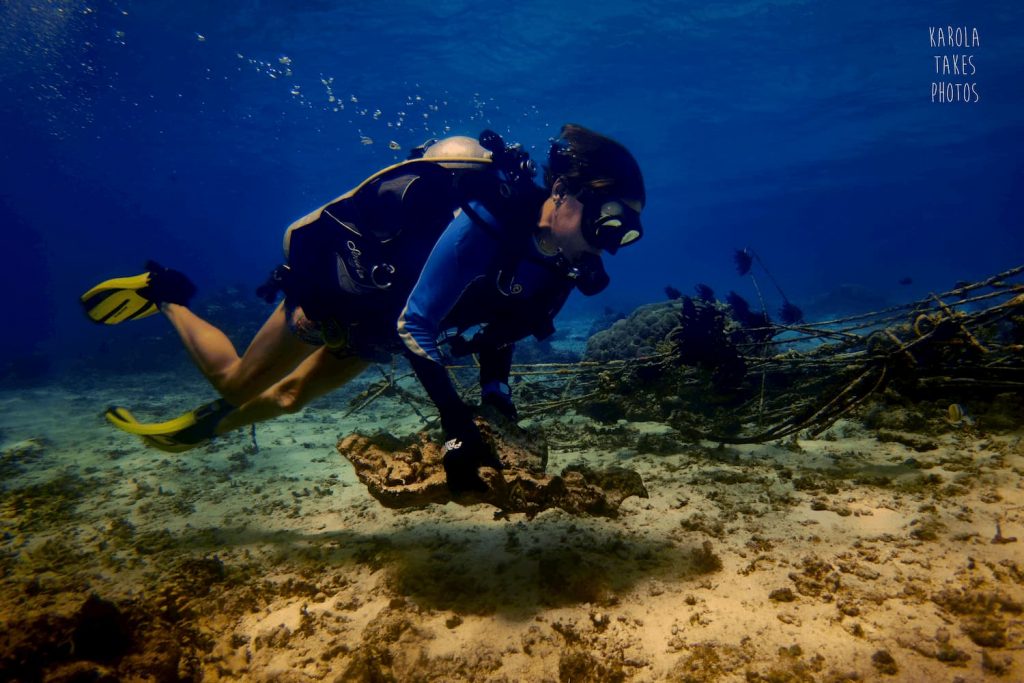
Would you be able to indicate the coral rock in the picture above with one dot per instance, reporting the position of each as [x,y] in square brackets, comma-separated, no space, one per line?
[409,473]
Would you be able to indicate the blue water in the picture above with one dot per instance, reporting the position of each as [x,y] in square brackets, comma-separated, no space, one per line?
[196,132]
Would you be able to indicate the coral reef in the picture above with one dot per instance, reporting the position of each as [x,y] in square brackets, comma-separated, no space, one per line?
[403,473]
[639,334]
[729,374]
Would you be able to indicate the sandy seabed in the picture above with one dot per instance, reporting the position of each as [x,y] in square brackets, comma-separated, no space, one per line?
[847,558]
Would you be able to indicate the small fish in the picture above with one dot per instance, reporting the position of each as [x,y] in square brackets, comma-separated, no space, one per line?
[958,415]
[365,140]
[394,145]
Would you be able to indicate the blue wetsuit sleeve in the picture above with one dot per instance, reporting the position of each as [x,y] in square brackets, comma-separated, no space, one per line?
[463,254]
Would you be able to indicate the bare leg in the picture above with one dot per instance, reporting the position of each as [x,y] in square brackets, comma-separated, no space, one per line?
[273,352]
[317,375]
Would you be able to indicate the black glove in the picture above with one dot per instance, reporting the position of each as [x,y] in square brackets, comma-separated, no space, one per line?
[495,367]
[464,448]
[464,453]
[499,396]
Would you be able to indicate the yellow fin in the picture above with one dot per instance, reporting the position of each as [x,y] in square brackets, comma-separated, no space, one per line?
[126,422]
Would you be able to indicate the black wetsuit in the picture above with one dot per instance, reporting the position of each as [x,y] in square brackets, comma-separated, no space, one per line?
[482,271]
[444,272]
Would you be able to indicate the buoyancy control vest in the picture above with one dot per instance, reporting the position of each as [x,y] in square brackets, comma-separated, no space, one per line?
[366,248]
[367,242]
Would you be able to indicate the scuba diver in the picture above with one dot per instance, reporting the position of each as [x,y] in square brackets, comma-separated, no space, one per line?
[456,239]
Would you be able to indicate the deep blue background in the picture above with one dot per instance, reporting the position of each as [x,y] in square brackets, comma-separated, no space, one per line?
[196,132]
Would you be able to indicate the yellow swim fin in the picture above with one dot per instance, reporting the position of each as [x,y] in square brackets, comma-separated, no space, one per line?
[126,422]
[118,299]
[181,434]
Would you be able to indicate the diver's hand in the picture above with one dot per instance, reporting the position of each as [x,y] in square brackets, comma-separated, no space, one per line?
[500,398]
[464,453]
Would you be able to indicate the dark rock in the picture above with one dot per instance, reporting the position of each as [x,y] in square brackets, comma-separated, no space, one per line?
[816,578]
[782,595]
[580,665]
[884,662]
[604,411]
[100,641]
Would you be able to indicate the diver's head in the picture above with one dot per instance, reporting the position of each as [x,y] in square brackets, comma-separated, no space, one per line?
[597,193]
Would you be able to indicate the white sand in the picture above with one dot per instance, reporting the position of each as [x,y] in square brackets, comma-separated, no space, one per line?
[322,583]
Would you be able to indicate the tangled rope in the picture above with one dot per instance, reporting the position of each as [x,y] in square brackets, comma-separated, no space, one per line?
[826,368]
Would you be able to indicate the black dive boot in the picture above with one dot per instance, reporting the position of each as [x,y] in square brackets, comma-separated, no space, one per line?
[167,286]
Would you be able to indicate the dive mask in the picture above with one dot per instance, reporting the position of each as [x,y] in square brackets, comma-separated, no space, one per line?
[609,222]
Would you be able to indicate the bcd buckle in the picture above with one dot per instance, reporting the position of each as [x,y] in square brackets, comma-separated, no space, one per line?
[380,275]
